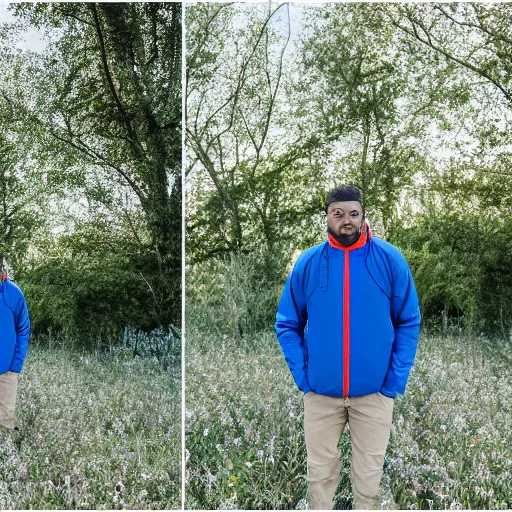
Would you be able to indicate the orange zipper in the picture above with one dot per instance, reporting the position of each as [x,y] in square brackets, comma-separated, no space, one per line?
[346,322]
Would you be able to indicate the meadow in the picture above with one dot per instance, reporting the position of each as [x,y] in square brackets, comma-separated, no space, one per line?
[450,447]
[96,431]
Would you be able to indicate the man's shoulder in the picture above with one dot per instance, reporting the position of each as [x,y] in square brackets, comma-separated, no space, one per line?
[12,291]
[390,250]
[308,254]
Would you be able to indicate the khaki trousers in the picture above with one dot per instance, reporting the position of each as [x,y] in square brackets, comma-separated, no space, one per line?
[8,390]
[325,417]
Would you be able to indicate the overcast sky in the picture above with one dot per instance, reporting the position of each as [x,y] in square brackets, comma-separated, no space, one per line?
[31,40]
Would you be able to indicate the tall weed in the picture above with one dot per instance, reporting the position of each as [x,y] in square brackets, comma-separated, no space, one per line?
[237,296]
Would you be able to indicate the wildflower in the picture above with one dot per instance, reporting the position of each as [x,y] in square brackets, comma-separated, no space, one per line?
[271,450]
[22,470]
[301,505]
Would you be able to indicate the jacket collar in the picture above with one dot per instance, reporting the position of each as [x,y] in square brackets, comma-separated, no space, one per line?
[365,236]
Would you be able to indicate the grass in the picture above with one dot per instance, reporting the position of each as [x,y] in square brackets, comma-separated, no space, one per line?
[96,432]
[450,448]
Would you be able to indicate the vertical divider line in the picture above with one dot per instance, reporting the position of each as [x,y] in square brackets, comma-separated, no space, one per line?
[183,226]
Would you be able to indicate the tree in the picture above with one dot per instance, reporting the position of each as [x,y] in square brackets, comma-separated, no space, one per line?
[474,36]
[106,100]
[244,175]
[409,102]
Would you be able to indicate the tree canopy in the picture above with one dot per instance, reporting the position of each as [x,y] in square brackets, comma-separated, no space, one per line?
[92,129]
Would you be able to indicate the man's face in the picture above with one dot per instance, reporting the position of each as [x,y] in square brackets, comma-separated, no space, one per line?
[345,221]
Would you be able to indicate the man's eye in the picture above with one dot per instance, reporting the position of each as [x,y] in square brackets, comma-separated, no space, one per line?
[355,214]
[338,214]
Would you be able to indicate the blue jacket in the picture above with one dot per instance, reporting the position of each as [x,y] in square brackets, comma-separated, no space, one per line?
[348,320]
[14,328]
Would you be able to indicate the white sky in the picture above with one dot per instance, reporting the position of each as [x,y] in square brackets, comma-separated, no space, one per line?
[31,39]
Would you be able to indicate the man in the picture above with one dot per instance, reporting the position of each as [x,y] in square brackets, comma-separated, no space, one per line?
[14,334]
[348,324]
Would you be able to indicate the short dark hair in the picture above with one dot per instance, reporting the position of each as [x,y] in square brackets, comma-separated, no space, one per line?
[344,193]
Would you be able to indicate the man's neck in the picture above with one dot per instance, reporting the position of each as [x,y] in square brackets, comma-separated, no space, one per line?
[337,241]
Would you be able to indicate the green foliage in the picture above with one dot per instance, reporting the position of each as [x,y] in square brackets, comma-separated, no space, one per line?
[408,102]
[20,215]
[237,296]
[99,112]
[163,345]
[461,264]
[361,93]
[474,37]
[246,185]
[271,208]
[80,297]
[91,284]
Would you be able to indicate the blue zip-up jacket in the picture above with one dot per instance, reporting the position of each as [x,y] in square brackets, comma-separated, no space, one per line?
[14,328]
[348,320]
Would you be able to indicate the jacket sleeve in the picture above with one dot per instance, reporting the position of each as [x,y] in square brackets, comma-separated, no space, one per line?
[406,318]
[291,321]
[22,326]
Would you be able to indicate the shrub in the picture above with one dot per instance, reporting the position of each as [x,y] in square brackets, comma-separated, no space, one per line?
[238,295]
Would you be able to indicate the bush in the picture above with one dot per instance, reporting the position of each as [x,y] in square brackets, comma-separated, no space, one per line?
[461,267]
[86,299]
[236,296]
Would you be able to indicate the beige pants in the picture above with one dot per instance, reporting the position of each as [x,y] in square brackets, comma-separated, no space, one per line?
[8,389]
[325,417]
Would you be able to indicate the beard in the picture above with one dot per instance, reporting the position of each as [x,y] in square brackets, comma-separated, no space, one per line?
[346,240]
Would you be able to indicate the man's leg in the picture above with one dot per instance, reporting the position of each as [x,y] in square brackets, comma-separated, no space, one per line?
[370,418]
[324,421]
[8,390]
